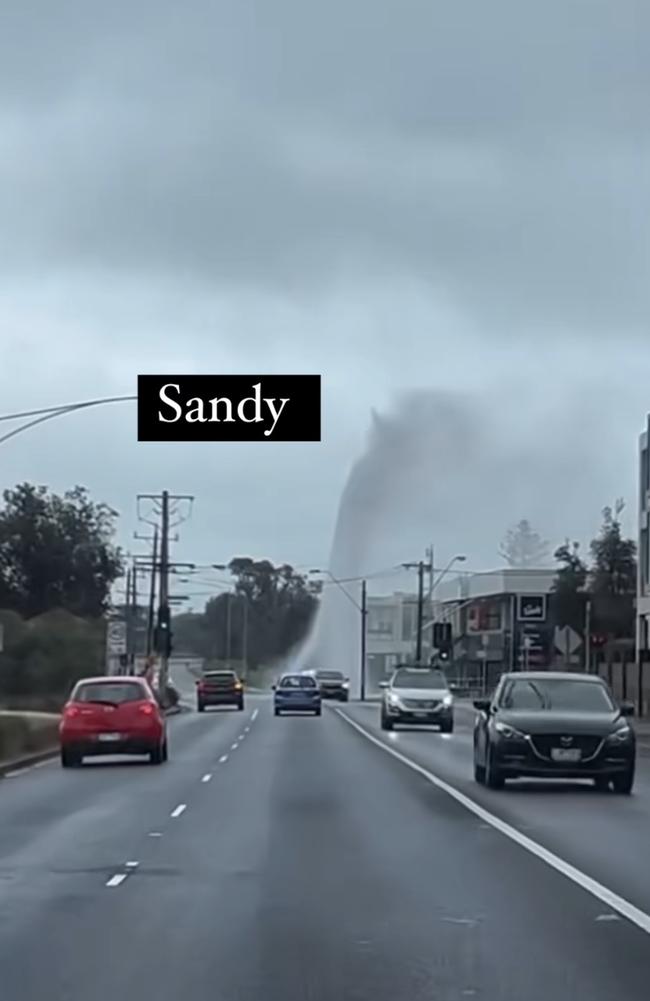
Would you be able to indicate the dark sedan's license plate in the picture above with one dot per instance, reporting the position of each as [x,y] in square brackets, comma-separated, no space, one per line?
[569,754]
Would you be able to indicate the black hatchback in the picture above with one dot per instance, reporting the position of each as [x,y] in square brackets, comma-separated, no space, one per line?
[554,725]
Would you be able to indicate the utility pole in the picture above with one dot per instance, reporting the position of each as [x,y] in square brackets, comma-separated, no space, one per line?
[152,595]
[418,645]
[164,510]
[129,624]
[245,636]
[364,616]
[588,636]
[228,626]
[134,619]
[421,566]
[163,608]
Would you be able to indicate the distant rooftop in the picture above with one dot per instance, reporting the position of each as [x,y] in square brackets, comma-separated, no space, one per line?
[506,581]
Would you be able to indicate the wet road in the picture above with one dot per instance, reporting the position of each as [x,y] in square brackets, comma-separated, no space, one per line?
[293,858]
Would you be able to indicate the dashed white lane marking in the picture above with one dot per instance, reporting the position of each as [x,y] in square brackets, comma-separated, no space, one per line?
[234,747]
[223,758]
[581,879]
[179,809]
[206,777]
[254,715]
[132,865]
[117,879]
[247,729]
[241,736]
[16,772]
[155,834]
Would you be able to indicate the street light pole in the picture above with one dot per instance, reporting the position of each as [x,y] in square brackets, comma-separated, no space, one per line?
[364,615]
[363,610]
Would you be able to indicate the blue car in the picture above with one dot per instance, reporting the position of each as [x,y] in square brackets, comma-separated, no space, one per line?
[297,693]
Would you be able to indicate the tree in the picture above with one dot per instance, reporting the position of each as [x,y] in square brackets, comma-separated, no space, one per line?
[522,547]
[271,610]
[56,552]
[612,577]
[569,586]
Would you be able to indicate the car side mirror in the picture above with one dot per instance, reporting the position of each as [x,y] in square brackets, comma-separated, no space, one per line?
[483,705]
[383,684]
[627,709]
[273,688]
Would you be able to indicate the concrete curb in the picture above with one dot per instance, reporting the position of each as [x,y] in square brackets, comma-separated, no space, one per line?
[27,760]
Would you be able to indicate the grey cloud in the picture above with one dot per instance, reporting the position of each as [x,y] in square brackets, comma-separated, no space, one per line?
[493,153]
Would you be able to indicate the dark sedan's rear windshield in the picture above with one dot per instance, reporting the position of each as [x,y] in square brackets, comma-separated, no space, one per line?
[330,675]
[559,694]
[298,681]
[111,691]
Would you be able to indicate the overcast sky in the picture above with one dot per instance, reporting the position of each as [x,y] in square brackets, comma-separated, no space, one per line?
[410,195]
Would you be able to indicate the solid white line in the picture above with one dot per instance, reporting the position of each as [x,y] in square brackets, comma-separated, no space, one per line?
[116,880]
[254,715]
[224,757]
[206,777]
[17,771]
[592,886]
[179,809]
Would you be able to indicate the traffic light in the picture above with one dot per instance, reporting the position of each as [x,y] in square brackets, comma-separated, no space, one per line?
[443,639]
[164,634]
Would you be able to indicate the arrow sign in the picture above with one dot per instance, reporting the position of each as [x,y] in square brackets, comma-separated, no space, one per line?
[567,640]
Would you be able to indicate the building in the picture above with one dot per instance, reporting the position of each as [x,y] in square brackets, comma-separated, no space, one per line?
[502,620]
[643,561]
[391,635]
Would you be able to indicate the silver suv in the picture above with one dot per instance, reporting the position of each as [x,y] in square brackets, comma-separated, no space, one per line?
[418,696]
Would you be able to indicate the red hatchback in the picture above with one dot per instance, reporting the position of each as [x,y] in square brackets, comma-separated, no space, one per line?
[112,715]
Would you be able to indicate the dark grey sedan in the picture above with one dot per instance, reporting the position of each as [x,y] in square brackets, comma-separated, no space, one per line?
[552,725]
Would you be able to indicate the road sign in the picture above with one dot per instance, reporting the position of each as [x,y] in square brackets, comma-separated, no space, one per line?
[567,640]
[116,637]
[531,608]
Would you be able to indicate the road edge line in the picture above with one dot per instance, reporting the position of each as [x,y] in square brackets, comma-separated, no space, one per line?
[628,910]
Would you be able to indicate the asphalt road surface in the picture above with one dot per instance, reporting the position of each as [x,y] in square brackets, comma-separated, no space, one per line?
[294,858]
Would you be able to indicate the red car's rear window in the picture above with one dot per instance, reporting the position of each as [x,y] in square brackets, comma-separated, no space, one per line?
[111,691]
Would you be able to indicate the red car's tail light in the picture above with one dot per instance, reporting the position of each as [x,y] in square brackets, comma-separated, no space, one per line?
[147,708]
[70,712]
